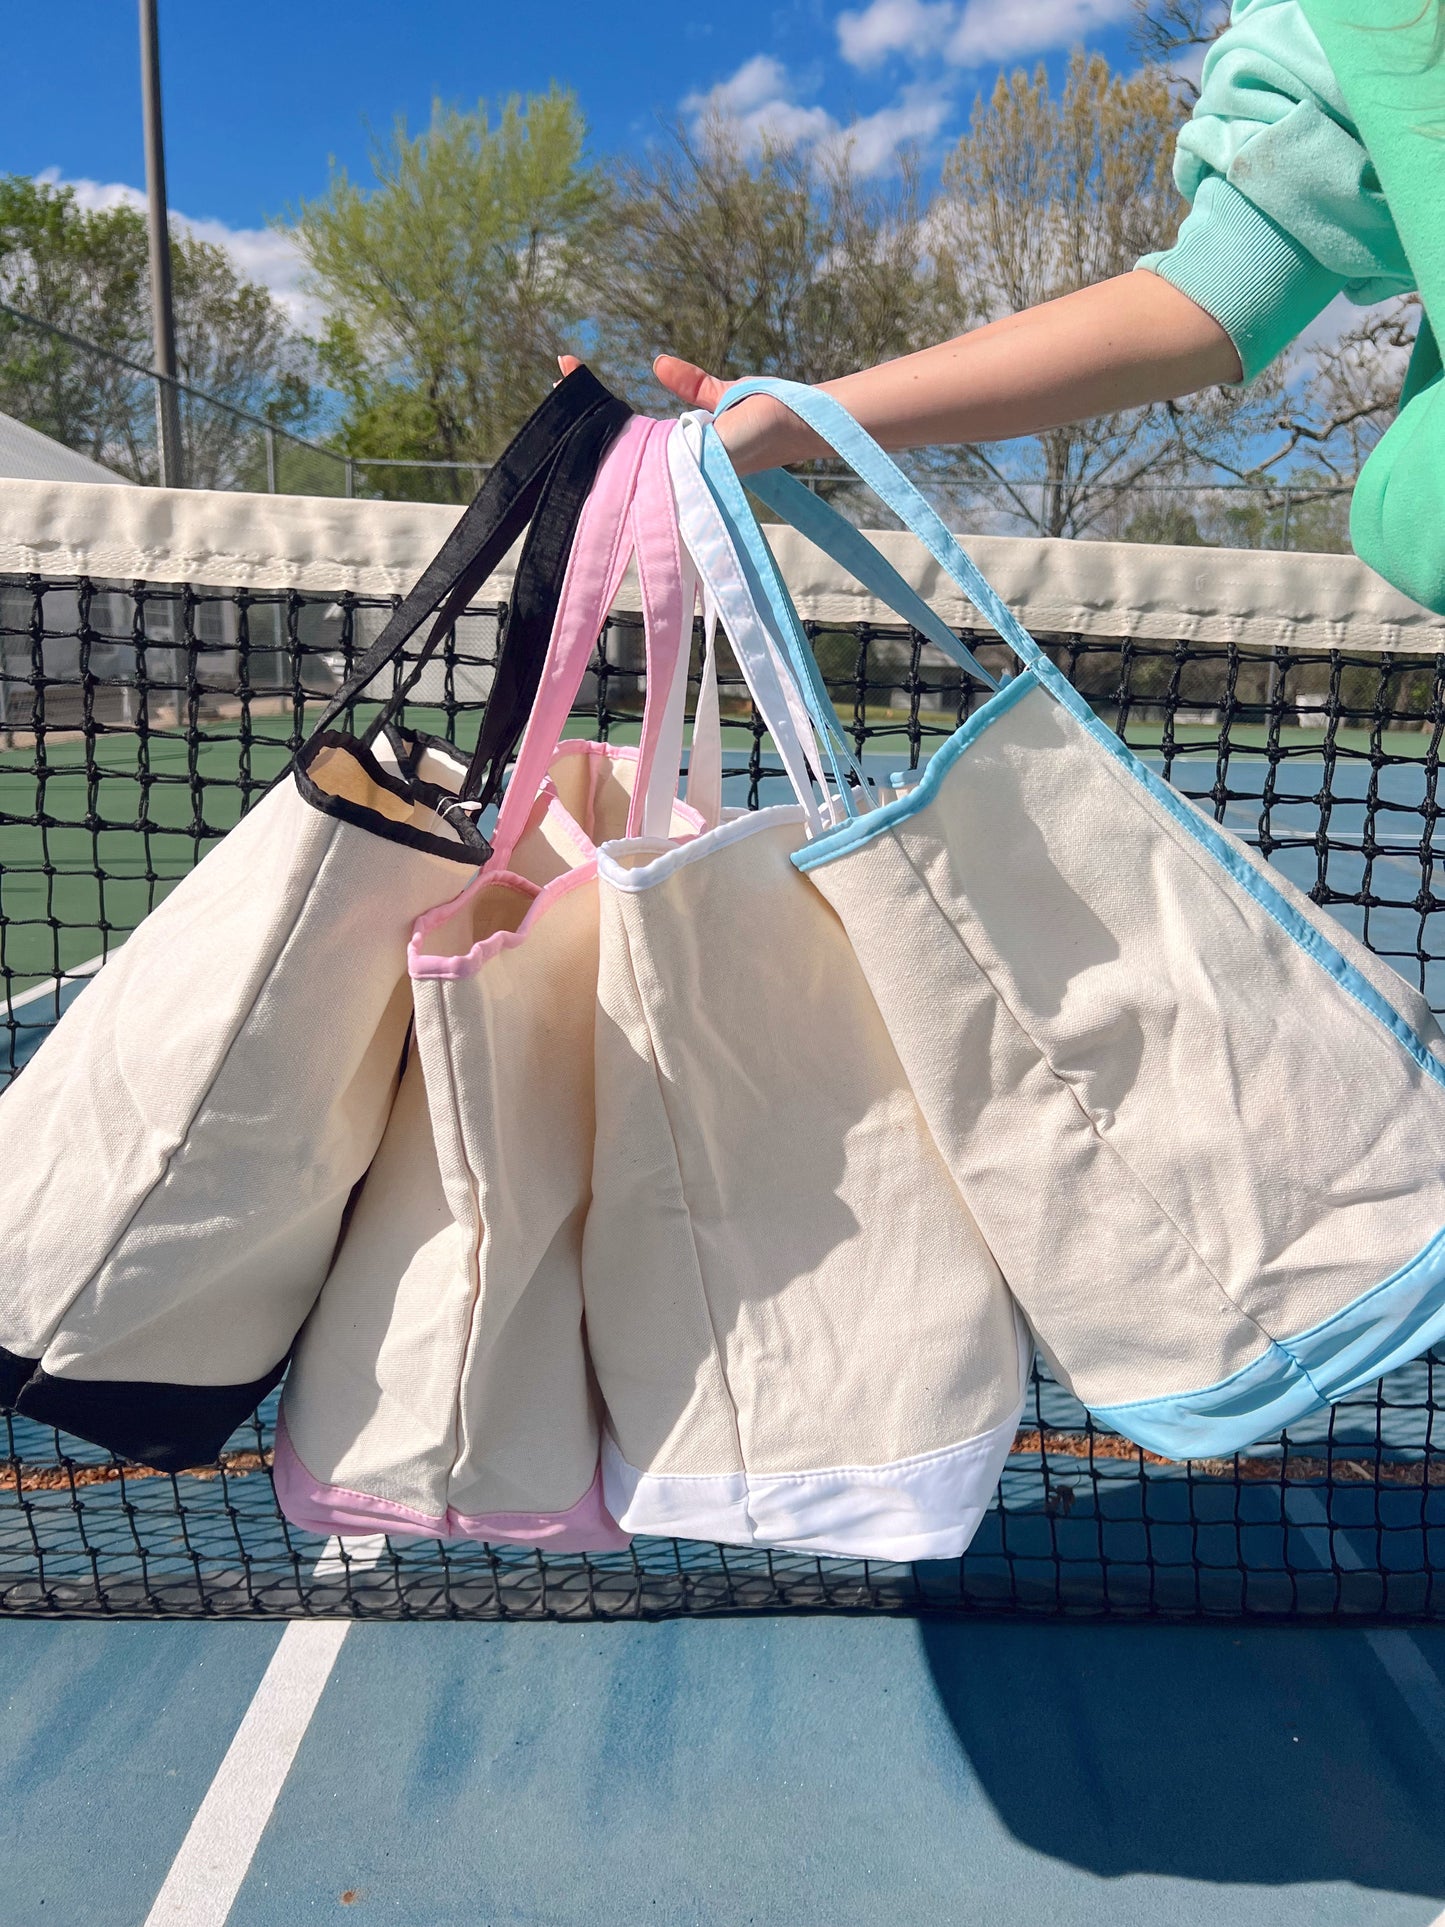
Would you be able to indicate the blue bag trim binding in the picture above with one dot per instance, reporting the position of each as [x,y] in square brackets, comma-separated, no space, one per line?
[864,829]
[826,529]
[1386,1325]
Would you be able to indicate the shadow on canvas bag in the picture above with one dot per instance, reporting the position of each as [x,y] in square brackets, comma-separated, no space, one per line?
[1202,1128]
[441,1385]
[178,1158]
[800,1336]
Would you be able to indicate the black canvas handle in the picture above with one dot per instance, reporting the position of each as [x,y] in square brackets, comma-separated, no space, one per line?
[535,595]
[490,524]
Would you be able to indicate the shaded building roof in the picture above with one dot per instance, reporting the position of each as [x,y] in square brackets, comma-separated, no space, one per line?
[29,456]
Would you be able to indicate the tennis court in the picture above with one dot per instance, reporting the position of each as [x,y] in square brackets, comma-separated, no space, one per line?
[758,1770]
[1198,1692]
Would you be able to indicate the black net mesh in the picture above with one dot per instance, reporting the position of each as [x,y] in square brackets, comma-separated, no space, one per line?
[137,724]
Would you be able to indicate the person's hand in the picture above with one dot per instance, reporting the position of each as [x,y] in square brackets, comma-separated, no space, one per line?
[758,433]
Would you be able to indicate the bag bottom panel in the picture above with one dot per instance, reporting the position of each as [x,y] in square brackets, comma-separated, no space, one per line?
[313,1506]
[928,1507]
[170,1427]
[1397,1320]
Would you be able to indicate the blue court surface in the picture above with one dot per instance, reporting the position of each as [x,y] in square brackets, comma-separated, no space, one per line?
[745,1771]
[803,1772]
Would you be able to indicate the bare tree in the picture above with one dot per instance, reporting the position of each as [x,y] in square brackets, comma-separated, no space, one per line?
[1175,35]
[1352,392]
[777,262]
[1045,194]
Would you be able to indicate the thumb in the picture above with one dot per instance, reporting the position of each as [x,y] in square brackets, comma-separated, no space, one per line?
[688,382]
[569,364]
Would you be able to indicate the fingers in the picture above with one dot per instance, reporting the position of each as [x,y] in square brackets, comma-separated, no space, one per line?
[688,382]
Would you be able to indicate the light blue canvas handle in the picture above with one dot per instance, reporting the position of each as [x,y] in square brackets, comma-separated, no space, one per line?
[827,530]
[829,419]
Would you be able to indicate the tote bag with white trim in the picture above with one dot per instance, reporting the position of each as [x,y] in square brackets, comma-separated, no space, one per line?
[1201,1127]
[441,1385]
[800,1336]
[175,1164]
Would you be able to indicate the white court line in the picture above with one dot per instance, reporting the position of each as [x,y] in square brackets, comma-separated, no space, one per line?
[1399,1652]
[53,984]
[215,1856]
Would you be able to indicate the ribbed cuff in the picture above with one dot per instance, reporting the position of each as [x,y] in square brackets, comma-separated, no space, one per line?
[1259,283]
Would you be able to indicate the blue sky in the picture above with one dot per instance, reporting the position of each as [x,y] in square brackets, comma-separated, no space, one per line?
[260,97]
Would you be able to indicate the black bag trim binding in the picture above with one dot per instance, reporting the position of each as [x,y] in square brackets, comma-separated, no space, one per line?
[14,1370]
[556,478]
[535,596]
[472,848]
[520,491]
[167,1426]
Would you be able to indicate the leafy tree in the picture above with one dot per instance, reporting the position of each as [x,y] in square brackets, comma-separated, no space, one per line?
[1166,522]
[233,341]
[450,283]
[85,272]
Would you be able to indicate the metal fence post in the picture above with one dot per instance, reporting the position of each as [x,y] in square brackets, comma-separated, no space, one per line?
[163,327]
[350,477]
[1284,522]
[270,461]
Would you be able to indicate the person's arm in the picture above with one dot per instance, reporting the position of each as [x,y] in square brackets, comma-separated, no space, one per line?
[1122,343]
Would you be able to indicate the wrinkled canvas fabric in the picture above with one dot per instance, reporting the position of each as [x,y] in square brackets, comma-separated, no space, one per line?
[441,1386]
[1201,1129]
[178,1159]
[799,1333]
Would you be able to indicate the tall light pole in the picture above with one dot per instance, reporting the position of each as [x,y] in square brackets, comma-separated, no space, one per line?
[168,414]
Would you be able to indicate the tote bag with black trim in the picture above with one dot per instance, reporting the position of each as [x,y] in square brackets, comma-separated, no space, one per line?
[176,1162]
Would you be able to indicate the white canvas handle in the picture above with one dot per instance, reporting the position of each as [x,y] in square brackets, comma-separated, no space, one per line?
[760,653]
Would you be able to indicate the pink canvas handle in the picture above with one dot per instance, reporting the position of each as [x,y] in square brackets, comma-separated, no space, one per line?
[601,550]
[668,578]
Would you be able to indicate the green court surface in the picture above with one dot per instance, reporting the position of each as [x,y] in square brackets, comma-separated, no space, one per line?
[90,843]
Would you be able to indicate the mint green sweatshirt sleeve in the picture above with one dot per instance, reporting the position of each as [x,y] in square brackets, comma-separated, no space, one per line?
[1286,211]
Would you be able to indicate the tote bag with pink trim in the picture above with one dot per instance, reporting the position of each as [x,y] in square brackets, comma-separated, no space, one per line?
[441,1386]
[801,1337]
[175,1164]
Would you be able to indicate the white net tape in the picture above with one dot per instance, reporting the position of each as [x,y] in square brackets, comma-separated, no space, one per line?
[326,546]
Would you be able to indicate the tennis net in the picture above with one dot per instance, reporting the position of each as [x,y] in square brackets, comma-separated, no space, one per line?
[160,657]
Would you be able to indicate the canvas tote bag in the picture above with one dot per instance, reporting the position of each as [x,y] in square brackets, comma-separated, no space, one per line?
[800,1336]
[175,1164]
[1201,1128]
[441,1385]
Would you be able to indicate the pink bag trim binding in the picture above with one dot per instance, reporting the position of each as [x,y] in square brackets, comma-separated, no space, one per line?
[312,1506]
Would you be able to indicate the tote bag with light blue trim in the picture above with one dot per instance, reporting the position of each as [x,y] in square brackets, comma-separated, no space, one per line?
[1201,1128]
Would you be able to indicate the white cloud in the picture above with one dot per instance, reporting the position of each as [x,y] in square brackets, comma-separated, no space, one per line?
[893,27]
[989,31]
[916,116]
[970,33]
[757,101]
[261,254]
